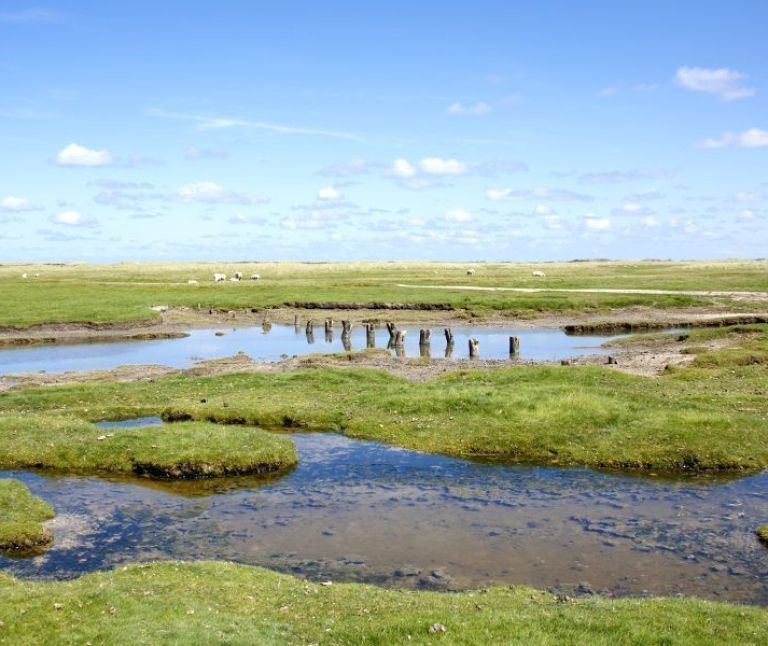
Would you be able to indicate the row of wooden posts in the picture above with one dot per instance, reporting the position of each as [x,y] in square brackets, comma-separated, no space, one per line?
[397,336]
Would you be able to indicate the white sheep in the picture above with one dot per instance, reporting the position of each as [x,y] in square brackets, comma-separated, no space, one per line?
[238,275]
[192,282]
[255,277]
[234,279]
[538,274]
[219,278]
[24,275]
[470,272]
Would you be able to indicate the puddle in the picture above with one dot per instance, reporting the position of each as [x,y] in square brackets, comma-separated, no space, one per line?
[361,511]
[278,341]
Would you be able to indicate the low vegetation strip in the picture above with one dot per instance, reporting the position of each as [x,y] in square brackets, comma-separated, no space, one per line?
[21,519]
[707,417]
[207,602]
[190,450]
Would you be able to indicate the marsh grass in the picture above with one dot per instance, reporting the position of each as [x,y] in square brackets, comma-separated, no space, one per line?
[206,602]
[21,518]
[189,450]
[125,292]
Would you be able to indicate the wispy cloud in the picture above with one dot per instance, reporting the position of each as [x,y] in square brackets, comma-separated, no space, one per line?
[723,82]
[212,193]
[752,138]
[205,122]
[621,176]
[479,109]
[520,195]
[34,14]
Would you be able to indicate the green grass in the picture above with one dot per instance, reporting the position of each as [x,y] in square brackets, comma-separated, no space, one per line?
[708,417]
[124,292]
[188,450]
[762,534]
[206,602]
[21,519]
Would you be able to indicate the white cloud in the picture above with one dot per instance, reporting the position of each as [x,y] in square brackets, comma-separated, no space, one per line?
[594,223]
[543,209]
[751,138]
[330,193]
[402,168]
[509,195]
[552,222]
[458,215]
[649,222]
[15,204]
[76,155]
[479,109]
[212,193]
[73,219]
[438,166]
[725,83]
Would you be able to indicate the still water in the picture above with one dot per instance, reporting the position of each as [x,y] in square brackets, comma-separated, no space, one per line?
[362,511]
[278,341]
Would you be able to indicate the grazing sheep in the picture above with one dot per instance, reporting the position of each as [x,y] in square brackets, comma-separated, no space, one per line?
[191,282]
[538,274]
[24,275]
[234,279]
[255,277]
[470,272]
[238,275]
[219,278]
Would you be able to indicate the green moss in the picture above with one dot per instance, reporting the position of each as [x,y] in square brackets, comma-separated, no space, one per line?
[762,534]
[188,450]
[21,519]
[185,603]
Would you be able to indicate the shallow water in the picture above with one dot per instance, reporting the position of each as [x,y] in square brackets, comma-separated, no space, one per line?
[362,511]
[278,341]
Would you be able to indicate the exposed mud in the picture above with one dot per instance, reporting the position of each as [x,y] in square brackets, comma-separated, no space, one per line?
[28,546]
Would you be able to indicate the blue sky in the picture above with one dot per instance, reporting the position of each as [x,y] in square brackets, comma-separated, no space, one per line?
[399,130]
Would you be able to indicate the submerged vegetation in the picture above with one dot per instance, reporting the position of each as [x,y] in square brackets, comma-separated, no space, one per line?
[182,603]
[21,519]
[710,416]
[189,450]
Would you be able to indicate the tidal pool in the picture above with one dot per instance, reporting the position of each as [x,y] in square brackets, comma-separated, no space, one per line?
[362,511]
[277,341]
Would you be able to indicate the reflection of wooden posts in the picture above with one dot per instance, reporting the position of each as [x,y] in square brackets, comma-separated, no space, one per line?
[370,335]
[295,320]
[474,348]
[310,326]
[514,345]
[346,328]
[266,326]
[346,342]
[400,338]
[265,320]
[449,351]
[328,325]
[328,335]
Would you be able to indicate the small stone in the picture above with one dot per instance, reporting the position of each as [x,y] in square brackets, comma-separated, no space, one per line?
[437,628]
[326,583]
[57,606]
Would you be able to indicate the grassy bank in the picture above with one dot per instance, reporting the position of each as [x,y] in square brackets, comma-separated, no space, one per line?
[189,450]
[708,417]
[178,603]
[21,519]
[124,292]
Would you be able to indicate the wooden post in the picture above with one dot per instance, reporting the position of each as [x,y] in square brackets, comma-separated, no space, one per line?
[514,345]
[425,336]
[449,351]
[328,325]
[391,328]
[346,343]
[346,328]
[474,348]
[232,314]
[612,361]
[328,335]
[448,336]
[295,320]
[370,335]
[310,326]
[400,338]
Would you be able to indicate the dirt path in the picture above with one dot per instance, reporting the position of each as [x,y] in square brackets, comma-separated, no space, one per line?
[744,296]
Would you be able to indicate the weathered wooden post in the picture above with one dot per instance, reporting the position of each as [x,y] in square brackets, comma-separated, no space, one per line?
[265,320]
[370,335]
[448,336]
[295,320]
[612,361]
[328,325]
[514,345]
[310,326]
[328,335]
[346,343]
[474,348]
[400,338]
[232,314]
[346,328]
[449,351]
[425,336]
